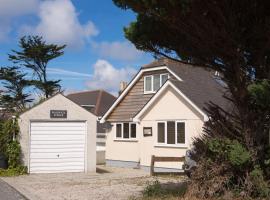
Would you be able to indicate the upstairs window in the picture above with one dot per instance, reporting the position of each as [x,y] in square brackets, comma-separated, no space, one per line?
[171,133]
[126,131]
[153,82]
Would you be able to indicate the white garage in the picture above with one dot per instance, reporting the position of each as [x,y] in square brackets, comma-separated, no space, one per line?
[58,136]
[57,147]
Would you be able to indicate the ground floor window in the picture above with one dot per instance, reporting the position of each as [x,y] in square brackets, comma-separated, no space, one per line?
[126,130]
[171,132]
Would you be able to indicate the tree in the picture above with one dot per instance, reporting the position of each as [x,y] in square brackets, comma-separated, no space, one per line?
[14,98]
[232,37]
[35,54]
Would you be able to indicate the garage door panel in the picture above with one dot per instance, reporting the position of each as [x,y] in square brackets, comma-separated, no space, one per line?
[57,137]
[57,124]
[58,132]
[52,142]
[55,169]
[57,147]
[58,150]
[59,160]
[53,155]
[59,164]
[58,128]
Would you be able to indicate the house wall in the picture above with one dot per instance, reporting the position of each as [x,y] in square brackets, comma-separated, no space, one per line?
[170,106]
[74,113]
[134,100]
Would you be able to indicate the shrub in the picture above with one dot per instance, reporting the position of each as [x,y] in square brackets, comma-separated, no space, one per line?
[20,170]
[13,152]
[8,129]
[11,148]
[155,189]
[238,154]
[260,186]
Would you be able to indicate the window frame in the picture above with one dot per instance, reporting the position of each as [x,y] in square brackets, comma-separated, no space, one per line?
[122,132]
[165,144]
[152,82]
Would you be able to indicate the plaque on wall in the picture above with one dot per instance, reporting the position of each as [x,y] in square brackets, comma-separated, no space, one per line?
[58,113]
[147,131]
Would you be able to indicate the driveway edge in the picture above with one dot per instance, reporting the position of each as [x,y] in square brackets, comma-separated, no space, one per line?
[13,188]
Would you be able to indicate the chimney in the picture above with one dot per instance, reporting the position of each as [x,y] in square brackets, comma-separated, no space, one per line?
[123,86]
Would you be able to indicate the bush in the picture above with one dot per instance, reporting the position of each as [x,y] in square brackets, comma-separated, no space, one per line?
[226,167]
[20,170]
[13,152]
[11,148]
[155,189]
[260,186]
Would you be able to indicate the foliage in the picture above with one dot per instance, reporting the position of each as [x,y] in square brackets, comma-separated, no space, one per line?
[155,189]
[9,128]
[230,151]
[11,148]
[13,152]
[230,37]
[35,54]
[20,170]
[227,166]
[261,187]
[14,98]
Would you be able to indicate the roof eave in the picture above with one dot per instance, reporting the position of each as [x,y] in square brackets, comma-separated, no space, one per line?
[138,116]
[134,80]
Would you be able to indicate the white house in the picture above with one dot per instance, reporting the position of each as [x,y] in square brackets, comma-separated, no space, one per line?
[159,113]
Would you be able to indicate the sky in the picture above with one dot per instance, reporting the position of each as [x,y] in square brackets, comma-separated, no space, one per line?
[97,56]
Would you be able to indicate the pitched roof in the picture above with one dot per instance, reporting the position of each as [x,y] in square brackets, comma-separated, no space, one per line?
[99,99]
[198,84]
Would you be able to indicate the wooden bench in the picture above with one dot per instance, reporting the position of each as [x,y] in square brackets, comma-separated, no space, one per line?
[163,159]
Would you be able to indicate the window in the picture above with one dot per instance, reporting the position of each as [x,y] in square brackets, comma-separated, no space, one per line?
[164,78]
[148,83]
[153,82]
[161,132]
[133,130]
[126,130]
[181,132]
[171,132]
[119,130]
[156,84]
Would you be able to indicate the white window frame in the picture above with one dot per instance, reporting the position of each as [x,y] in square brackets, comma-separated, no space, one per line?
[161,78]
[122,132]
[152,82]
[171,145]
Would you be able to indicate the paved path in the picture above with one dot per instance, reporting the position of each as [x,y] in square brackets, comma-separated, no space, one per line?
[9,193]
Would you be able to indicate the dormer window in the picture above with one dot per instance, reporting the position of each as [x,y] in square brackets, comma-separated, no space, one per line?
[153,82]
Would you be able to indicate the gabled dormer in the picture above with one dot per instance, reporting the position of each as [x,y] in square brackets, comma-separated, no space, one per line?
[139,91]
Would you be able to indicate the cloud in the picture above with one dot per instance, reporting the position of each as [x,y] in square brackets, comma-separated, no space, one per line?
[59,24]
[108,77]
[68,73]
[123,51]
[11,9]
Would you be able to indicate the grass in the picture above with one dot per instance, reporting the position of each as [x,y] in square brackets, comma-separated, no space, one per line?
[156,190]
[13,171]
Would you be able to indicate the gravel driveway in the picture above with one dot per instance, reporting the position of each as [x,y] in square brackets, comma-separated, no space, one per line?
[109,183]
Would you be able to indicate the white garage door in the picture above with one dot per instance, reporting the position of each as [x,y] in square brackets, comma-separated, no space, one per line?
[57,147]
